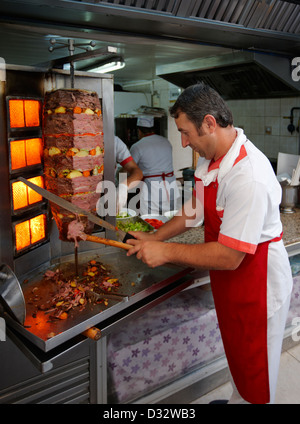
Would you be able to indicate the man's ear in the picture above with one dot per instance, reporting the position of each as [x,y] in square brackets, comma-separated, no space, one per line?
[210,122]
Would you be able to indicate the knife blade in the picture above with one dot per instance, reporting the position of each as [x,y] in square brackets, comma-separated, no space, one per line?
[75,209]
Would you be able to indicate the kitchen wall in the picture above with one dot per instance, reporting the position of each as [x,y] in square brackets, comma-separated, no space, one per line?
[128,102]
[262,120]
[264,123]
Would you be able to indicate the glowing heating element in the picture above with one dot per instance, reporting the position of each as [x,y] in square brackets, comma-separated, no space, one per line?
[24,113]
[25,153]
[23,196]
[30,232]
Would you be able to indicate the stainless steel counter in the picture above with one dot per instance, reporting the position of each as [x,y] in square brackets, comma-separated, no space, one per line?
[138,283]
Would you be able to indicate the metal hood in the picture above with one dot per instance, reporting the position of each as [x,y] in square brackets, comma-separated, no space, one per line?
[236,75]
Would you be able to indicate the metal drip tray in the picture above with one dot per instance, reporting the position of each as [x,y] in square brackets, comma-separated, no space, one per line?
[141,284]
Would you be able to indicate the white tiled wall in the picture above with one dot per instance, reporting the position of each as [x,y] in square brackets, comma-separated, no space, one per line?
[252,115]
[182,157]
[257,115]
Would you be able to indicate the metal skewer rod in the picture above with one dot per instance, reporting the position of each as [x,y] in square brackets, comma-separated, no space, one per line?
[71,51]
[76,261]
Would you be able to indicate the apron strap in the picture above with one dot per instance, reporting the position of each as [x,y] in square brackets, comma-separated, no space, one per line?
[277,238]
[163,176]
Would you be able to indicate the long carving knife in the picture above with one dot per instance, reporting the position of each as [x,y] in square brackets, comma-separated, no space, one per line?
[75,209]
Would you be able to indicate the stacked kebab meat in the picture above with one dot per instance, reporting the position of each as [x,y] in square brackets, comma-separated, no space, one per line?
[73,153]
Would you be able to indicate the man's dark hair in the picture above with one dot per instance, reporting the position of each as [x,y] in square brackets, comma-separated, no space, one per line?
[146,130]
[199,100]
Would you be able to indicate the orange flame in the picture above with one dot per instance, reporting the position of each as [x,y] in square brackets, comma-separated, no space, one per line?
[17,154]
[19,195]
[30,232]
[37,228]
[25,153]
[16,113]
[23,195]
[34,151]
[32,113]
[24,113]
[22,235]
[33,196]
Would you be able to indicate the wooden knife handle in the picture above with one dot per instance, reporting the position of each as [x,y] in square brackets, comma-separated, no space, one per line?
[93,333]
[108,242]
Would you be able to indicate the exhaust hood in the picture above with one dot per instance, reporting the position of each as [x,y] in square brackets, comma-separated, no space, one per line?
[236,75]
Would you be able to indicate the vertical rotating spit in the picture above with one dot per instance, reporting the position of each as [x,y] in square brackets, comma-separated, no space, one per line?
[71,45]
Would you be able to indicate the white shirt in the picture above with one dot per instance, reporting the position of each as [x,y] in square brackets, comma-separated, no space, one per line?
[153,154]
[122,152]
[247,203]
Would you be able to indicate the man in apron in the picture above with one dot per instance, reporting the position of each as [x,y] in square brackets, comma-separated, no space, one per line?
[127,176]
[128,169]
[249,268]
[153,154]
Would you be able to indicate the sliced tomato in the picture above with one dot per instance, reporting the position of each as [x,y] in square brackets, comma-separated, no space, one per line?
[156,223]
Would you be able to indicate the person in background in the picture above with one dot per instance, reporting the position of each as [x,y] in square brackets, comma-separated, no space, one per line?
[129,167]
[153,154]
[250,273]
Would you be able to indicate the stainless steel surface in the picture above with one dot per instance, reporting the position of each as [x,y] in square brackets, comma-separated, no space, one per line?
[134,220]
[293,249]
[98,295]
[148,32]
[57,380]
[236,75]
[138,282]
[289,198]
[11,294]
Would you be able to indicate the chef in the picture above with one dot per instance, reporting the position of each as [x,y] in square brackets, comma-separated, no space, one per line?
[249,268]
[129,173]
[128,176]
[153,154]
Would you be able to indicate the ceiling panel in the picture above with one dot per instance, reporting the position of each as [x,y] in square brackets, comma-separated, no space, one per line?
[147,33]
[23,46]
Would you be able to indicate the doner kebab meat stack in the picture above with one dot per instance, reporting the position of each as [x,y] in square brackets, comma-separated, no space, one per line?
[73,152]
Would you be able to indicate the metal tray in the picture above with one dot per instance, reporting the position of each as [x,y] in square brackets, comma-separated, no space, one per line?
[134,219]
[138,282]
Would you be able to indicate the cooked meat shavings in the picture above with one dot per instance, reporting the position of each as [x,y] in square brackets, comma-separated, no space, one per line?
[72,292]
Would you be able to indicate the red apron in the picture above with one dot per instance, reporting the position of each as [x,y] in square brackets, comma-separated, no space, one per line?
[163,176]
[240,298]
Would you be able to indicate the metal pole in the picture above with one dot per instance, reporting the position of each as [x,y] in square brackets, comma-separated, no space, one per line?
[71,50]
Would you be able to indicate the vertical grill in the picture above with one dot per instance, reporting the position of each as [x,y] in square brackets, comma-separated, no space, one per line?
[29,240]
[28,209]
